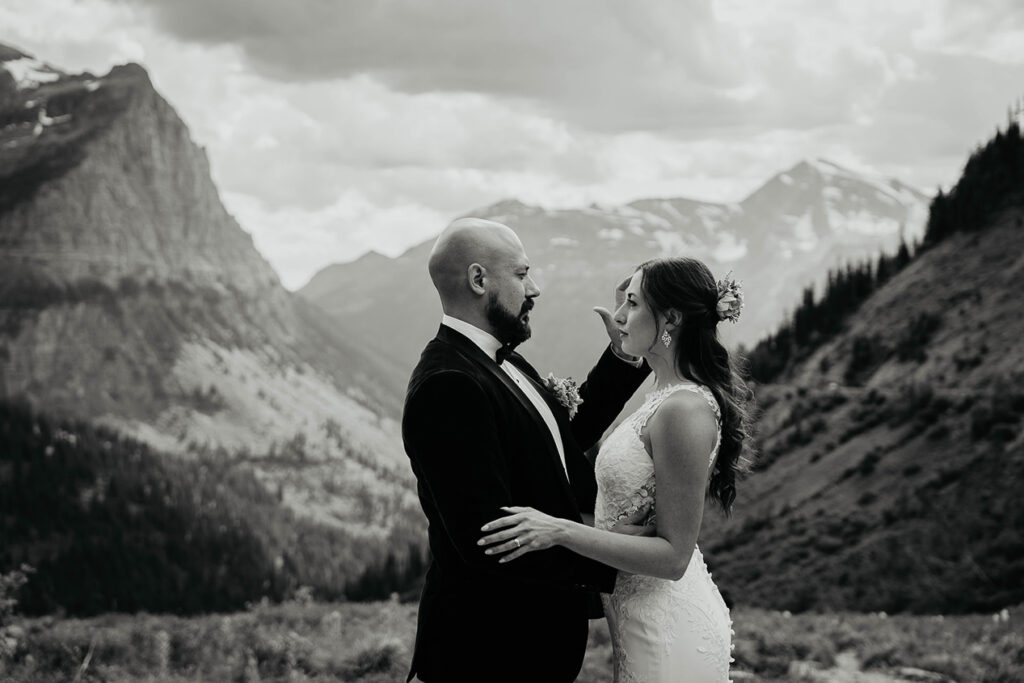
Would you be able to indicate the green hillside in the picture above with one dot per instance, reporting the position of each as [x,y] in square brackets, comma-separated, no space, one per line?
[110,525]
[891,438]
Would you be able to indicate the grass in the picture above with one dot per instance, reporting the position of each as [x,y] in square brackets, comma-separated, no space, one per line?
[371,642]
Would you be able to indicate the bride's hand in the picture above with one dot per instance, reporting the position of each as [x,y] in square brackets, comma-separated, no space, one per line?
[609,324]
[523,531]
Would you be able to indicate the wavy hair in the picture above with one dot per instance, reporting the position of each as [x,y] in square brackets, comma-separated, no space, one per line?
[687,286]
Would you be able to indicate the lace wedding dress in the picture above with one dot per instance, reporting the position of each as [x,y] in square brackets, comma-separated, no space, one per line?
[661,630]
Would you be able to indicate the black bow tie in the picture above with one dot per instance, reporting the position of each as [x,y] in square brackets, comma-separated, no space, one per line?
[504,352]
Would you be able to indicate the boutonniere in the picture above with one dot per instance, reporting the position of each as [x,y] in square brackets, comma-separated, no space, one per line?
[566,391]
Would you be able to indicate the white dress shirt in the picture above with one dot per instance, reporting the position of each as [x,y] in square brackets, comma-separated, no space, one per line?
[490,345]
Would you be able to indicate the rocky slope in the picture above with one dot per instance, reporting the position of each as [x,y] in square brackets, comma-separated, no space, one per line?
[902,492]
[132,298]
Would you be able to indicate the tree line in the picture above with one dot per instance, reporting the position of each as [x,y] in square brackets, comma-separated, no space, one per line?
[817,320]
[108,524]
[992,180]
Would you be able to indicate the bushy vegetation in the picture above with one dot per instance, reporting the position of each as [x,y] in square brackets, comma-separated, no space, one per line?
[817,320]
[992,180]
[925,513]
[110,525]
[301,640]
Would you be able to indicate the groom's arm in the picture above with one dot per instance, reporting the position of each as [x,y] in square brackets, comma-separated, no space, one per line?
[451,436]
[611,383]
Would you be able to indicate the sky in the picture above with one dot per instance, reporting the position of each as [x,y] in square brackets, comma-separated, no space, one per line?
[335,127]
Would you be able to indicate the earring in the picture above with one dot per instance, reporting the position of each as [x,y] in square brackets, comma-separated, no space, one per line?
[666,338]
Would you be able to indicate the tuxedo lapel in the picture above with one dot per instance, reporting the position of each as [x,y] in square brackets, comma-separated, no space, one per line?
[557,409]
[472,351]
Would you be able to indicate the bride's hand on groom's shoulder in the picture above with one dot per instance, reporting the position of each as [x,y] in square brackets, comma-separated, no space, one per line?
[523,531]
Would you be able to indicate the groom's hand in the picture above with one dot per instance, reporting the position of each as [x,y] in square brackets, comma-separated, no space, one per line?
[609,324]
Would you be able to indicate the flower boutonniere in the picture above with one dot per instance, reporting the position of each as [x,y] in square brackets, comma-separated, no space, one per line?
[566,391]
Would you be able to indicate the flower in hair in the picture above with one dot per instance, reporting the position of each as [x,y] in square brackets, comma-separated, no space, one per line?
[730,299]
[565,391]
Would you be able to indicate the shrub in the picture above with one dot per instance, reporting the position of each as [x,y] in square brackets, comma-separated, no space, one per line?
[382,657]
[866,354]
[867,465]
[916,335]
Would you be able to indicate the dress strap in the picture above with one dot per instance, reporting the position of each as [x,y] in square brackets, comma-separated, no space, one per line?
[656,398]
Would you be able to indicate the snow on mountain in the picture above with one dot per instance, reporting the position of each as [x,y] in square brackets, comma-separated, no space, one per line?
[783,237]
[30,73]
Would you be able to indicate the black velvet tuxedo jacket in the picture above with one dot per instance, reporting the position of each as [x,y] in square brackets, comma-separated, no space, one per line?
[476,444]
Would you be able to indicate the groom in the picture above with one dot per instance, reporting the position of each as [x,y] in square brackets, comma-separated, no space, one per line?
[482,432]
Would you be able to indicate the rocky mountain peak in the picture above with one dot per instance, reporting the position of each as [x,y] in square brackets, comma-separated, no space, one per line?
[137,198]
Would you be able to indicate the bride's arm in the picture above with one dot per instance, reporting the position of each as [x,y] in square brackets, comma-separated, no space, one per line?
[682,434]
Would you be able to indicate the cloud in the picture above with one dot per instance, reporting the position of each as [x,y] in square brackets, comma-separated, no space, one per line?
[300,242]
[334,127]
[603,64]
[991,29]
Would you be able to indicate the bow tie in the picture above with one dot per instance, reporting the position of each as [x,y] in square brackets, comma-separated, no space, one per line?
[504,352]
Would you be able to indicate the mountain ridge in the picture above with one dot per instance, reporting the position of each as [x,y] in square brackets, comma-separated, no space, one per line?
[891,454]
[132,299]
[579,255]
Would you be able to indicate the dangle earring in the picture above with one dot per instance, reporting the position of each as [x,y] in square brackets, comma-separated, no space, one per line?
[666,338]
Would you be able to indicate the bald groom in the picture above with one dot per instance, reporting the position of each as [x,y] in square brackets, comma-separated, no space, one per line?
[482,432]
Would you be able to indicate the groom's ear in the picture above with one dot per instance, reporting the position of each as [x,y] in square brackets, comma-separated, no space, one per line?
[477,274]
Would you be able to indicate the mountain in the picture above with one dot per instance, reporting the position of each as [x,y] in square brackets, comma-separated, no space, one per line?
[132,299]
[892,453]
[783,236]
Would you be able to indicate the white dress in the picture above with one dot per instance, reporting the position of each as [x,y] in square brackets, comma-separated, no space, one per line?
[661,630]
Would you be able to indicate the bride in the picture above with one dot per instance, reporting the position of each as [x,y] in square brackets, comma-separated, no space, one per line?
[667,620]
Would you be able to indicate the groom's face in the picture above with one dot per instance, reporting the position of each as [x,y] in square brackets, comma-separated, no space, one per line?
[510,295]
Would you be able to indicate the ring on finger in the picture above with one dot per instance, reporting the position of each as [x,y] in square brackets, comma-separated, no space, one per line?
[517,543]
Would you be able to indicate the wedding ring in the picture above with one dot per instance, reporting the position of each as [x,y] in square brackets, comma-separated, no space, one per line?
[517,543]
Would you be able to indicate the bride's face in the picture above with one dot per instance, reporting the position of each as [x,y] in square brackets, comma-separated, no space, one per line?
[637,324]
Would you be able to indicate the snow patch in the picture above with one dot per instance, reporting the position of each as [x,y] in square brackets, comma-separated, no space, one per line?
[639,218]
[832,193]
[671,210]
[30,73]
[670,243]
[786,179]
[710,216]
[803,231]
[863,223]
[563,242]
[45,120]
[729,248]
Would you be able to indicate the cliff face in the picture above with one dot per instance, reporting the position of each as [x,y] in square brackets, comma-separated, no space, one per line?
[102,180]
[130,297]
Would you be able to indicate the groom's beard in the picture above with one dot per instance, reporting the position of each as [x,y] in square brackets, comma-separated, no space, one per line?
[509,328]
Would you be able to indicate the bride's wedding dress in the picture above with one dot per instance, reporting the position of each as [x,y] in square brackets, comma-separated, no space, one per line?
[661,630]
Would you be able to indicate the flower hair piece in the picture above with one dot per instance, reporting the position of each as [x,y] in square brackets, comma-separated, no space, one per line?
[730,299]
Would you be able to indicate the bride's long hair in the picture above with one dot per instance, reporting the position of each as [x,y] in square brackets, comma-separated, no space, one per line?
[687,286]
